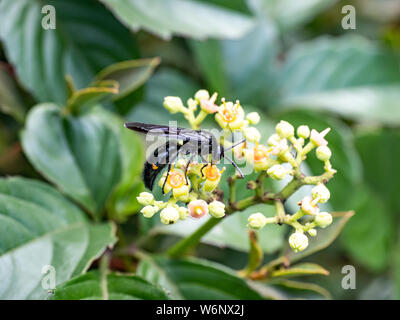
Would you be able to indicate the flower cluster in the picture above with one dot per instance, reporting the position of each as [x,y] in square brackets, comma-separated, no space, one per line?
[285,147]
[193,187]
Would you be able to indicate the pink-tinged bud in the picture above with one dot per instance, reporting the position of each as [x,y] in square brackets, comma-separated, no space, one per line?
[309,207]
[318,138]
[198,208]
[208,105]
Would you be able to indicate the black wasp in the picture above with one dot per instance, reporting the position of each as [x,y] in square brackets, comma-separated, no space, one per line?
[179,141]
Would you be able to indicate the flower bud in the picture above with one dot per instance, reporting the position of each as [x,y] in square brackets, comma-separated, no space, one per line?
[173,104]
[216,209]
[169,215]
[277,172]
[321,193]
[303,132]
[274,140]
[198,208]
[312,232]
[202,95]
[257,221]
[252,134]
[183,213]
[149,211]
[308,207]
[317,138]
[253,117]
[323,153]
[284,129]
[323,219]
[298,241]
[145,198]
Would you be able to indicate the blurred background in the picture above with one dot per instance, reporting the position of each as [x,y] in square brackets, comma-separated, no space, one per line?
[287,59]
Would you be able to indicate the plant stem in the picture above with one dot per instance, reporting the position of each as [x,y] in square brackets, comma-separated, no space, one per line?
[185,244]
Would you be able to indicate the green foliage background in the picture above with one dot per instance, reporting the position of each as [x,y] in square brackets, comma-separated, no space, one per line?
[71,172]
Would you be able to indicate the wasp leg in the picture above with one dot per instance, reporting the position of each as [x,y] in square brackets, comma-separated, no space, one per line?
[202,168]
[236,167]
[187,167]
[166,178]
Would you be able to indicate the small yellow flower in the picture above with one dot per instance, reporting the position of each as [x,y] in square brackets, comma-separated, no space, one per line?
[213,177]
[260,157]
[230,115]
[176,182]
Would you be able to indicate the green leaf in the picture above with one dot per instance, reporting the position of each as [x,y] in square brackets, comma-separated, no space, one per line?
[232,231]
[130,75]
[289,14]
[166,82]
[79,154]
[122,201]
[379,152]
[396,270]
[300,269]
[181,17]
[299,286]
[345,158]
[236,72]
[369,235]
[39,227]
[11,101]
[196,279]
[82,99]
[368,103]
[349,75]
[86,39]
[324,237]
[94,286]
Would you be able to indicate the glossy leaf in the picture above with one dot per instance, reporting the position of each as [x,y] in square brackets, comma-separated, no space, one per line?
[288,14]
[129,75]
[94,286]
[196,279]
[40,228]
[370,234]
[82,99]
[298,287]
[86,39]
[350,76]
[122,201]
[79,154]
[180,17]
[301,269]
[234,70]
[379,152]
[166,82]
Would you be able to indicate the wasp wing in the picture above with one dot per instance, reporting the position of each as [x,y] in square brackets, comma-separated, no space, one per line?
[170,132]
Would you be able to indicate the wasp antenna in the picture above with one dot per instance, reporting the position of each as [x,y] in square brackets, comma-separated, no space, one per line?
[236,144]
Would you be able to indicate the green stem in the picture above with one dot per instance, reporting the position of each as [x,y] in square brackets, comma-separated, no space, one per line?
[185,244]
[290,188]
[280,211]
[182,246]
